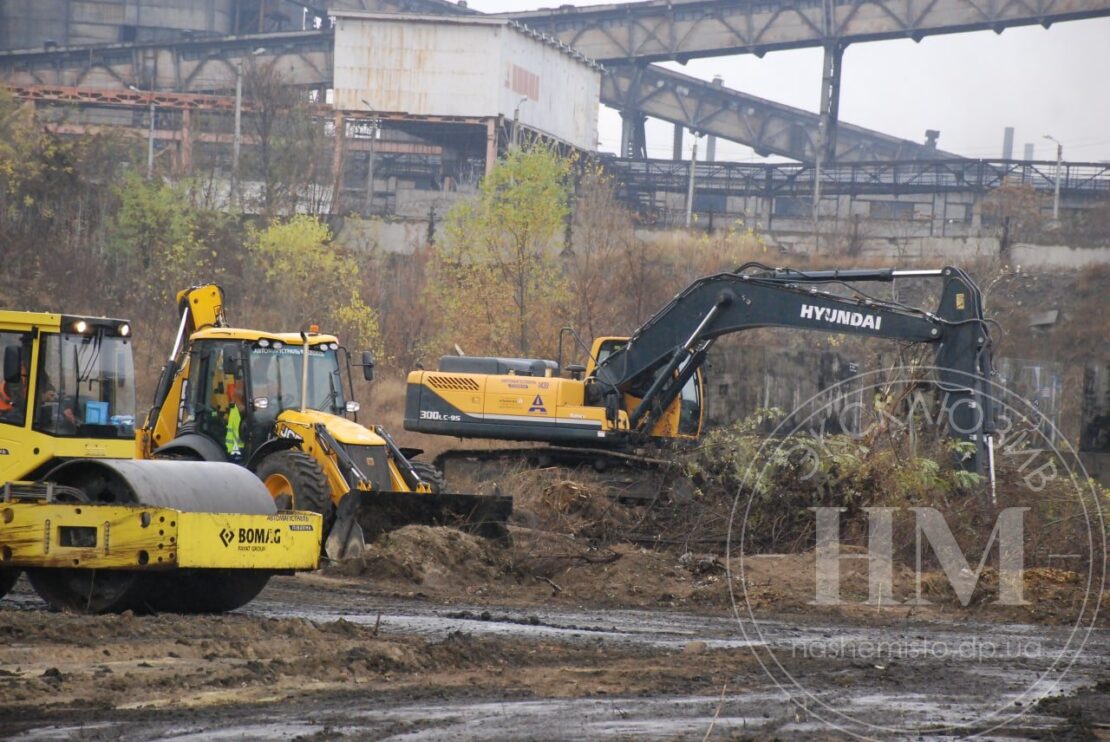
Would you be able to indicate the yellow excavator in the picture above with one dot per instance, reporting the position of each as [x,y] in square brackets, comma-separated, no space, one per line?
[96,531]
[647,390]
[279,404]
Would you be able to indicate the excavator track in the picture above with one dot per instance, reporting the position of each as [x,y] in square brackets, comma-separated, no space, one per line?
[150,536]
[628,476]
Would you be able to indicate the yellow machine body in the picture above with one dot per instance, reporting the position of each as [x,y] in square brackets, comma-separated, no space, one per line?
[302,426]
[141,538]
[530,401]
[26,448]
[67,410]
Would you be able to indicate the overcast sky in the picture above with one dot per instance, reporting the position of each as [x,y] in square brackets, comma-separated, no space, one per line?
[969,86]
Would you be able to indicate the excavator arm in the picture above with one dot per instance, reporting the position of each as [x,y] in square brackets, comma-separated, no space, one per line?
[198,307]
[667,350]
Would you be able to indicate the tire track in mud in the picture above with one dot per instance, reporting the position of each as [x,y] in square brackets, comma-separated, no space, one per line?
[537,672]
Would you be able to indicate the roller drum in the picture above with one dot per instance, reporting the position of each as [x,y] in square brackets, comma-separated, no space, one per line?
[189,486]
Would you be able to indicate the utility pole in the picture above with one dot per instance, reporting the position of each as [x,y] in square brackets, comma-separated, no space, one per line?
[1056,195]
[820,149]
[690,184]
[236,141]
[150,142]
[150,131]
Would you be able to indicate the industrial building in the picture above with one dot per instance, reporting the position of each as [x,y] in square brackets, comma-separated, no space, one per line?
[469,67]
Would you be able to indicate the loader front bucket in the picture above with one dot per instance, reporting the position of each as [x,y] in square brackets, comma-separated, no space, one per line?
[363,516]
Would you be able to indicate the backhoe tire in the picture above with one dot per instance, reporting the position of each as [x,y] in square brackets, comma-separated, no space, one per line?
[430,475]
[296,482]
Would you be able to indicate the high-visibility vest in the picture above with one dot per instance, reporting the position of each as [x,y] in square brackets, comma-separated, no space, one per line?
[5,397]
[232,440]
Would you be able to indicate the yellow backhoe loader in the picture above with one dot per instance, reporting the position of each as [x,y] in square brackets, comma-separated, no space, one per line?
[96,531]
[280,405]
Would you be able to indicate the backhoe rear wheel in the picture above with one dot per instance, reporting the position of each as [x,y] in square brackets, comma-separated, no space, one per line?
[296,482]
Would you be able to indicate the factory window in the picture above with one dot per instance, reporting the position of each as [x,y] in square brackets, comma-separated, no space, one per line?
[128,33]
[710,203]
[957,213]
[793,206]
[891,210]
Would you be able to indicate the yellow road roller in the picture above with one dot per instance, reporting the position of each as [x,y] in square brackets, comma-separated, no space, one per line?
[96,531]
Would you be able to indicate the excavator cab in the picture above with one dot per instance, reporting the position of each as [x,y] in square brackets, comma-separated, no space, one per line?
[683,417]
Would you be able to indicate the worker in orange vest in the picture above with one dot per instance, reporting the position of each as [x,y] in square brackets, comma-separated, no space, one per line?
[13,399]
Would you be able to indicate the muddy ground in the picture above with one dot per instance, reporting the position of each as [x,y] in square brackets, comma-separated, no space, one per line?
[434,634]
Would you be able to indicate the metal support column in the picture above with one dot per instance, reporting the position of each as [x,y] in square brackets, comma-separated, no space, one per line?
[338,153]
[676,153]
[633,138]
[830,101]
[491,144]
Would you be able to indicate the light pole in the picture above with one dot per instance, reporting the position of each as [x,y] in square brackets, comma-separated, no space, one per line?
[150,134]
[1059,162]
[375,123]
[690,182]
[516,120]
[236,143]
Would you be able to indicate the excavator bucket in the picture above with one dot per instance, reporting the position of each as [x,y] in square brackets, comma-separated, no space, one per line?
[363,516]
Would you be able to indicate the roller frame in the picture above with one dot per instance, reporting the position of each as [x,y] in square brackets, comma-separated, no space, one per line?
[34,534]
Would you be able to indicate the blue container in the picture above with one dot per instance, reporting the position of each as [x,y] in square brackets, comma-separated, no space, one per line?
[96,413]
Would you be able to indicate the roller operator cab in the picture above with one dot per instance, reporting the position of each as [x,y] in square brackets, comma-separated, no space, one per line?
[526,399]
[68,391]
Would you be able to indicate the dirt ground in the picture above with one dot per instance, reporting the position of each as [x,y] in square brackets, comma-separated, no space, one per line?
[436,619]
[577,628]
[546,568]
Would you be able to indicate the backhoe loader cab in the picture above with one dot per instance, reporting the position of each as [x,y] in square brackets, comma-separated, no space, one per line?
[242,383]
[280,404]
[252,398]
